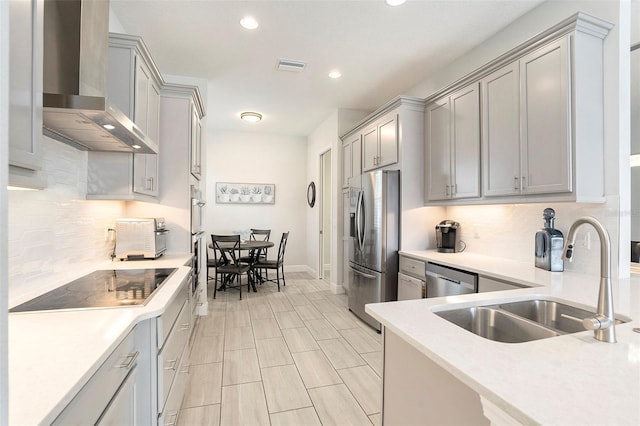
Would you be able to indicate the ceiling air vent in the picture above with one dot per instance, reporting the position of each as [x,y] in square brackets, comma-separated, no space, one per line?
[291,65]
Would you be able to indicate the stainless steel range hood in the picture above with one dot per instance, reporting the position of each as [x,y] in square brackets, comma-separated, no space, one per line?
[75,104]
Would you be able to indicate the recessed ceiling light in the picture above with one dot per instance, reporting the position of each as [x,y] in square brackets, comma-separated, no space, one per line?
[335,74]
[109,126]
[251,117]
[136,146]
[249,22]
[395,2]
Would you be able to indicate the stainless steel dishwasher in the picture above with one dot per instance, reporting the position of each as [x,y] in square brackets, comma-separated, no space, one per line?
[446,281]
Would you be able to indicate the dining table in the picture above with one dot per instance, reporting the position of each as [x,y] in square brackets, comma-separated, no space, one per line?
[252,246]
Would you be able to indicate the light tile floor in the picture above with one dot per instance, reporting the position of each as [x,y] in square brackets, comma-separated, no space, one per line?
[294,357]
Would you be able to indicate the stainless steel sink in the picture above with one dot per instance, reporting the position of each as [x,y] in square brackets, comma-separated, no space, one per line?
[549,313]
[495,324]
[521,321]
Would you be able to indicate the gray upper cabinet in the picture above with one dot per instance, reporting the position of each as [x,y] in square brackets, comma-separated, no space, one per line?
[380,143]
[25,96]
[542,123]
[134,84]
[452,151]
[352,159]
[501,132]
[545,108]
[196,142]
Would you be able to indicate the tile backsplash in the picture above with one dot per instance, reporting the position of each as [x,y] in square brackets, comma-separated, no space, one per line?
[55,230]
[508,230]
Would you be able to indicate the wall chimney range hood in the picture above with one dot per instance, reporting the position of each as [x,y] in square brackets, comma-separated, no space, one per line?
[76,109]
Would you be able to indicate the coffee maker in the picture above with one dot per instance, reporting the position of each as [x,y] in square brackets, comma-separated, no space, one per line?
[447,236]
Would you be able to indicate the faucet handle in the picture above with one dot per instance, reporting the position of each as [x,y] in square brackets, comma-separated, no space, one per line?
[597,322]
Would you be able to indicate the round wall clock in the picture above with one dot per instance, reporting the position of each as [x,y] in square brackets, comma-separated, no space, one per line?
[311,194]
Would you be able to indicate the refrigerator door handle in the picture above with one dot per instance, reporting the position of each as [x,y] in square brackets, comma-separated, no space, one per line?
[361,218]
[357,222]
[368,276]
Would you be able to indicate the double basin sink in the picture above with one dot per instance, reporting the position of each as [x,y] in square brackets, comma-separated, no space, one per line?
[521,321]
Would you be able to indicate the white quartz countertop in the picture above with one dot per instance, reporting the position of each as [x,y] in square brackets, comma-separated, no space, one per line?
[565,380]
[52,354]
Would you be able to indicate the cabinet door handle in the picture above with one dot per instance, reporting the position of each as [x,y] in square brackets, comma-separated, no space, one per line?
[185,327]
[129,360]
[522,179]
[171,364]
[185,369]
[454,189]
[515,183]
[174,419]
[446,190]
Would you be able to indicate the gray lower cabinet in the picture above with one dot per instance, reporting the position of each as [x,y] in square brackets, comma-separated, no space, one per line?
[143,380]
[116,393]
[174,328]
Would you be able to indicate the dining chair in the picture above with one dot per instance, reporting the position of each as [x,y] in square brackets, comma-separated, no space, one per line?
[260,254]
[230,267]
[277,264]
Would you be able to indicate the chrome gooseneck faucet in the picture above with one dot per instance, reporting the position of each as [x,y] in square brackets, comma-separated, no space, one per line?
[603,322]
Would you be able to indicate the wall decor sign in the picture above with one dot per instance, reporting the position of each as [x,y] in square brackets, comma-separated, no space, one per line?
[245,193]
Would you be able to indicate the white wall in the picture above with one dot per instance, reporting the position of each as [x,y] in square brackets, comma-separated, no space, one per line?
[325,137]
[260,158]
[508,231]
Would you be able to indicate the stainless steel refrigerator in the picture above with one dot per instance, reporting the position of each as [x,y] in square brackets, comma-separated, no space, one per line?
[374,229]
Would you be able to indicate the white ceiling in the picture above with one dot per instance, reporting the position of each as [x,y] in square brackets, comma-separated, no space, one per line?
[382,51]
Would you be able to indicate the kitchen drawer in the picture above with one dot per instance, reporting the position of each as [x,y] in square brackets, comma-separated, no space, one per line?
[168,317]
[413,267]
[87,406]
[169,356]
[169,416]
[410,288]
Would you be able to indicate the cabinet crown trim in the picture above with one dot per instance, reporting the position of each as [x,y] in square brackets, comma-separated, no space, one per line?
[414,103]
[185,91]
[580,21]
[136,42]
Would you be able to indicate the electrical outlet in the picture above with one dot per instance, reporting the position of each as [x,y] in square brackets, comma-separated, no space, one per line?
[585,242]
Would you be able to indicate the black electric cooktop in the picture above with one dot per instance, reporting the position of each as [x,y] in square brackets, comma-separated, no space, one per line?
[101,289]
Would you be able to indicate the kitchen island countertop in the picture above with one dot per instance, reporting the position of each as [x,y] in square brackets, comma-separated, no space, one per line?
[52,354]
[570,379]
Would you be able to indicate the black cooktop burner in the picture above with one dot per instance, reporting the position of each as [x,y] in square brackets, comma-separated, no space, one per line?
[101,289]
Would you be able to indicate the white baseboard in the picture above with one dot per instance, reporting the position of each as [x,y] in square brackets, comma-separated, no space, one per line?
[299,268]
[336,289]
[203,310]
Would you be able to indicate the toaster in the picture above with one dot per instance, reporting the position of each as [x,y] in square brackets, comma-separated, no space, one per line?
[140,238]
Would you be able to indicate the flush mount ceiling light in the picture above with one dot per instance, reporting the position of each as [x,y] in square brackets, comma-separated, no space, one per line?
[251,117]
[136,146]
[395,2]
[249,22]
[335,74]
[109,126]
